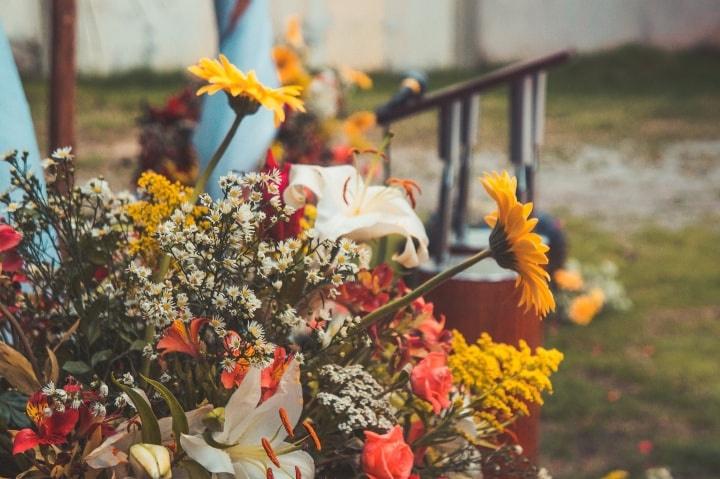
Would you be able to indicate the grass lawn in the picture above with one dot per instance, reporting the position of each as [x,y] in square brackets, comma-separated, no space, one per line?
[661,360]
[647,374]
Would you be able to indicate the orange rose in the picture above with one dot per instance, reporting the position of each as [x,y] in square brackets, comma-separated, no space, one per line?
[387,456]
[431,380]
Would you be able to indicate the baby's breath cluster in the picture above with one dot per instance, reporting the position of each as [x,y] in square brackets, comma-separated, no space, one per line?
[229,269]
[354,399]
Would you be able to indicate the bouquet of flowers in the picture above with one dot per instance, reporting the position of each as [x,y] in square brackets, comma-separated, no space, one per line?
[176,335]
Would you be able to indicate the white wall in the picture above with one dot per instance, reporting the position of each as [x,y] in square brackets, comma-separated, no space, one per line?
[116,35]
[523,28]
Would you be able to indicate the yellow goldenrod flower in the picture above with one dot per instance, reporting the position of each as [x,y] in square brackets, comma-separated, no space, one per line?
[222,75]
[160,199]
[515,246]
[505,378]
[585,307]
[568,280]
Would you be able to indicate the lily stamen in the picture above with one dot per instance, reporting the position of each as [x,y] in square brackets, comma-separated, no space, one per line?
[313,434]
[298,474]
[285,419]
[269,474]
[270,452]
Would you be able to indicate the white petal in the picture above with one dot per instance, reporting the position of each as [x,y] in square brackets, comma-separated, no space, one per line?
[113,450]
[301,459]
[240,407]
[195,417]
[265,421]
[212,459]
[327,183]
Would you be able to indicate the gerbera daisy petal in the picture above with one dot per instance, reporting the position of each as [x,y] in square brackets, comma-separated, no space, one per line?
[222,75]
[514,245]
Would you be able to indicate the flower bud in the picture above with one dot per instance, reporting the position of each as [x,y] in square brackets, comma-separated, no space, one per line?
[150,461]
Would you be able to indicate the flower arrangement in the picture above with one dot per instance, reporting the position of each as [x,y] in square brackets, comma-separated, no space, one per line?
[254,335]
[583,292]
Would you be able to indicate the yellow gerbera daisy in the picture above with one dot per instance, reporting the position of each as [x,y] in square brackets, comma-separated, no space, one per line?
[514,245]
[222,75]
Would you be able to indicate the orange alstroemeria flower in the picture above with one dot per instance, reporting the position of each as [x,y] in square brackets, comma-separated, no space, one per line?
[178,339]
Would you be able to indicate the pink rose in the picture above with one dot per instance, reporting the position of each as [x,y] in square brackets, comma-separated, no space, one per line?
[387,456]
[432,380]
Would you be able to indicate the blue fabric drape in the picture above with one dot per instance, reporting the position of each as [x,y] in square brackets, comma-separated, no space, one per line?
[248,45]
[16,126]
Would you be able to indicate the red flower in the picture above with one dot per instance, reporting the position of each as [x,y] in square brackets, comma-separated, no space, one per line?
[387,456]
[282,229]
[177,338]
[430,335]
[51,426]
[9,238]
[271,375]
[10,261]
[645,447]
[431,380]
[232,379]
[370,291]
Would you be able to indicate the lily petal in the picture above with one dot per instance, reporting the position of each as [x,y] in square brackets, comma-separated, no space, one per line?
[265,420]
[212,459]
[240,408]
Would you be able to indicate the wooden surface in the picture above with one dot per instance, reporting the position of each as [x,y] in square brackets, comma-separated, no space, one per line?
[475,306]
[62,74]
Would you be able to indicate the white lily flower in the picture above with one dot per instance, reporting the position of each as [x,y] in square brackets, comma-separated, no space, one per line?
[113,452]
[247,425]
[347,206]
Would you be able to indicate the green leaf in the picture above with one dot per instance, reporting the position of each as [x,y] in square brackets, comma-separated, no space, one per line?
[194,470]
[150,427]
[138,345]
[101,356]
[179,419]
[12,409]
[76,367]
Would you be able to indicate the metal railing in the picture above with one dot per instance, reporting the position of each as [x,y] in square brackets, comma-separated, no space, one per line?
[458,108]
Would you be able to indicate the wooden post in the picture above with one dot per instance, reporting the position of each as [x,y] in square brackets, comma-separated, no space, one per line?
[62,74]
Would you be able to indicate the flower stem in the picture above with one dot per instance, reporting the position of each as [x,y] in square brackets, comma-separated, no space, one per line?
[205,175]
[164,263]
[424,288]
